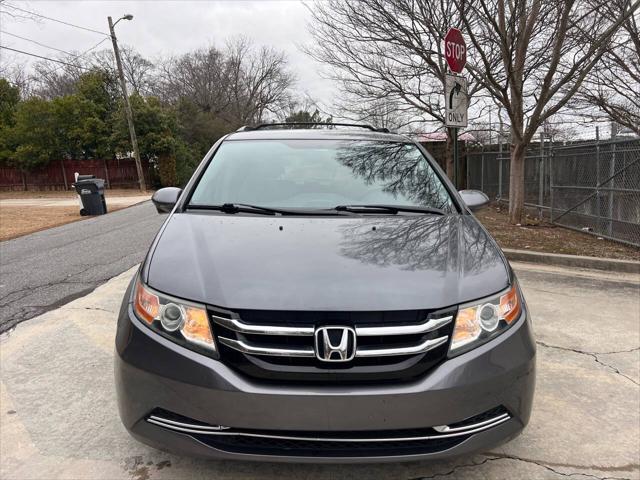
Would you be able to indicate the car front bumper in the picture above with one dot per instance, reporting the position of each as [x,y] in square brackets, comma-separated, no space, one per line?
[154,373]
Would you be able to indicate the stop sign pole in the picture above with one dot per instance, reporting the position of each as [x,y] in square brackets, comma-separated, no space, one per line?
[455,52]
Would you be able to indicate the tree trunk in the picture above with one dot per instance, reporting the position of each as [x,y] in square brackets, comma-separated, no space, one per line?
[516,183]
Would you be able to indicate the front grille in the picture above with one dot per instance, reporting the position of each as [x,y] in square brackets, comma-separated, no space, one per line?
[331,444]
[280,345]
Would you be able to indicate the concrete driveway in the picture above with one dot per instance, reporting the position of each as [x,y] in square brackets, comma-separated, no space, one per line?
[58,417]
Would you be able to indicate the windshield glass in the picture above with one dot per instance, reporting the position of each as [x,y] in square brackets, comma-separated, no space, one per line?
[320,174]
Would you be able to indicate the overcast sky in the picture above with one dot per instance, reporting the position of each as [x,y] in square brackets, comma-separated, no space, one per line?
[163,28]
[169,27]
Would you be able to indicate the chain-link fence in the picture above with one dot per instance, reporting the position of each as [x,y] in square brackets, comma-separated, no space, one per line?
[592,187]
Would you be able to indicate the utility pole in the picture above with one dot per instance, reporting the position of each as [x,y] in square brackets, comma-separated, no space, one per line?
[127,105]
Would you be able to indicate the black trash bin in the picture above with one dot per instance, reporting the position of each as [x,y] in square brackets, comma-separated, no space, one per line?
[83,177]
[91,191]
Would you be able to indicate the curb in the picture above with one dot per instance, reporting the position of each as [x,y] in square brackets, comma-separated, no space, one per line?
[576,261]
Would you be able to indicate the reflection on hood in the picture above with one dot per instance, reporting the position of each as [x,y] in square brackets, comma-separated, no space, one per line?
[425,242]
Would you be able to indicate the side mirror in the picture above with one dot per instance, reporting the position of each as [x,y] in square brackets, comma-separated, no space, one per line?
[474,199]
[166,198]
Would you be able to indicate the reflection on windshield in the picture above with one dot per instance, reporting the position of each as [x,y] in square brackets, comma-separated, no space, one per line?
[320,174]
[400,168]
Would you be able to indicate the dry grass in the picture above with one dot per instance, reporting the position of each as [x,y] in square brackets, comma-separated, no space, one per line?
[116,192]
[539,236]
[18,221]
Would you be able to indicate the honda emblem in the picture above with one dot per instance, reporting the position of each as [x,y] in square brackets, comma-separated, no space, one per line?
[335,344]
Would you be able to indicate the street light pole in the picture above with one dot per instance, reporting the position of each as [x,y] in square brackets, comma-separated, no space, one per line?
[127,105]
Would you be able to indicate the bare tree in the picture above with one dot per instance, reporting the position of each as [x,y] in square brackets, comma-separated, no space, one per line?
[51,80]
[562,130]
[138,71]
[201,76]
[386,54]
[303,108]
[240,84]
[613,86]
[299,103]
[533,56]
[381,113]
[48,80]
[260,81]
[17,75]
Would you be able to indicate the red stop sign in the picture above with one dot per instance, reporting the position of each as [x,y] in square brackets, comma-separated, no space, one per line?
[455,50]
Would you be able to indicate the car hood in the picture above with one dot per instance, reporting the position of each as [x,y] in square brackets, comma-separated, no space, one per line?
[326,263]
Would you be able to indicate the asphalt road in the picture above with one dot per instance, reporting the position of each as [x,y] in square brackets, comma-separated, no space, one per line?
[58,414]
[44,270]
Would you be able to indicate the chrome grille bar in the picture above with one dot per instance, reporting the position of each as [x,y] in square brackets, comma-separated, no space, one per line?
[420,328]
[413,350]
[239,326]
[245,347]
[361,352]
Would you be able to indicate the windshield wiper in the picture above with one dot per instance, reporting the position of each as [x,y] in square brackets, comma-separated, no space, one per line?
[390,209]
[246,208]
[238,207]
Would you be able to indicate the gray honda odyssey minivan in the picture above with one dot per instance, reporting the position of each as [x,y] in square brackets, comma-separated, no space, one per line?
[321,293]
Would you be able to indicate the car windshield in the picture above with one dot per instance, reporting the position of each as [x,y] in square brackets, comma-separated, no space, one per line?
[320,174]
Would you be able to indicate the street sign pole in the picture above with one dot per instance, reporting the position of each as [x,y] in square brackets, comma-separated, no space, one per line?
[454,132]
[456,106]
[455,50]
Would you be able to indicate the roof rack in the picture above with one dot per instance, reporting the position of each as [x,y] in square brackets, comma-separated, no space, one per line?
[310,124]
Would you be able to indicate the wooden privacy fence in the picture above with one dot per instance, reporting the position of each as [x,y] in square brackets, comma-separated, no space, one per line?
[59,175]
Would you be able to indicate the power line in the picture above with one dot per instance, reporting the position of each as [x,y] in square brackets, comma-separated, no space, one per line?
[37,43]
[72,55]
[75,56]
[55,19]
[84,53]
[95,46]
[44,58]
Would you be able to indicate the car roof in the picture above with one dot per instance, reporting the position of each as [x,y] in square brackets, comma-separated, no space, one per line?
[316,134]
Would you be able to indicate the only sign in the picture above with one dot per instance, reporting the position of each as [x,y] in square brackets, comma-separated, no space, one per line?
[455,50]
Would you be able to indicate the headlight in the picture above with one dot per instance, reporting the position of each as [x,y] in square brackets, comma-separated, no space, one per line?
[482,320]
[182,321]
